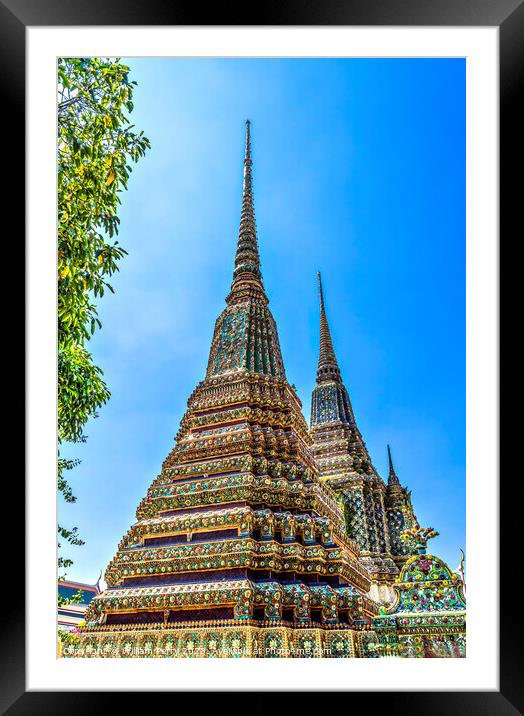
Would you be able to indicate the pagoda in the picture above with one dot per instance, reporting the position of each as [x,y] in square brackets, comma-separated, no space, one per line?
[376,513]
[239,548]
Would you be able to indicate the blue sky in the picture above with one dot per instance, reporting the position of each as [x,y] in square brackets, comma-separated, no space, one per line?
[359,172]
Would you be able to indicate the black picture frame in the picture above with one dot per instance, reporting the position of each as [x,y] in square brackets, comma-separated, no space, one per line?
[508,16]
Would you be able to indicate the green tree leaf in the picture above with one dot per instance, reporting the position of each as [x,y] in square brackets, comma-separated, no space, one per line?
[96,145]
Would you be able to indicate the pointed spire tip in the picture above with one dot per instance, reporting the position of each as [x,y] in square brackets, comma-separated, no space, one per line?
[392,477]
[247,259]
[319,277]
[327,363]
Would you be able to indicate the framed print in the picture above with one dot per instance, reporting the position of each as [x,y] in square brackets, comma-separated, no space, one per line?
[328,370]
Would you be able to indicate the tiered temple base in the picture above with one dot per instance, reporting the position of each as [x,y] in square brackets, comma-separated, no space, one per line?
[236,639]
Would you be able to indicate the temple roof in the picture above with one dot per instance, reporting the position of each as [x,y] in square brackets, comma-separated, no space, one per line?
[68,589]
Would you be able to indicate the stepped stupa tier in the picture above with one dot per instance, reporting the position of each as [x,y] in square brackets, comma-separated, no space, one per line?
[376,513]
[239,548]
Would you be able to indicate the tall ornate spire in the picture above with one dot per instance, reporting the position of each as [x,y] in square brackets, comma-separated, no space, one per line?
[330,400]
[328,369]
[246,336]
[392,477]
[247,259]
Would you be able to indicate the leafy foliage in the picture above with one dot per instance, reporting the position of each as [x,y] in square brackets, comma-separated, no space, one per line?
[76,598]
[96,144]
[70,637]
[71,536]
